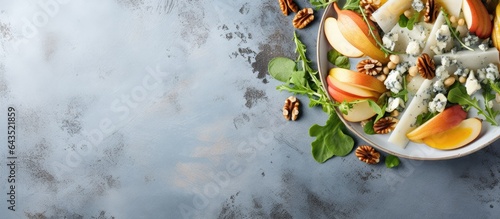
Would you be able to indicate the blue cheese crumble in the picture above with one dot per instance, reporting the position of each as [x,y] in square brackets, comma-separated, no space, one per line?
[413,48]
[395,104]
[461,71]
[472,84]
[441,72]
[492,72]
[418,5]
[443,38]
[438,103]
[447,62]
[438,87]
[489,73]
[470,40]
[394,81]
[389,40]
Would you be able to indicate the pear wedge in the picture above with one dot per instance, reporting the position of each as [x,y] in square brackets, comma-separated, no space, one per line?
[357,33]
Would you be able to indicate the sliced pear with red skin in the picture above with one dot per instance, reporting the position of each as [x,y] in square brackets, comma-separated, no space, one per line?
[456,137]
[487,26]
[477,18]
[443,121]
[356,31]
[338,41]
[470,15]
[358,79]
[348,88]
[341,96]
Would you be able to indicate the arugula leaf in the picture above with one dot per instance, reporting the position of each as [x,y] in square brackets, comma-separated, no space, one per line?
[302,79]
[371,31]
[380,112]
[459,95]
[424,117]
[298,78]
[488,96]
[281,68]
[349,5]
[352,5]
[403,94]
[495,86]
[321,3]
[330,140]
[454,31]
[391,161]
[368,128]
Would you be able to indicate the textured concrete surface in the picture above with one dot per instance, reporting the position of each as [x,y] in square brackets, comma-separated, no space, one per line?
[164,109]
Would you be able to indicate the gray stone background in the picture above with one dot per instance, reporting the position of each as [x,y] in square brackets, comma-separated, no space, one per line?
[164,109]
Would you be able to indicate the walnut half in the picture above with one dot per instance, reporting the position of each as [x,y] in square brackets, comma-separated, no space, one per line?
[291,108]
[431,11]
[369,67]
[303,18]
[426,66]
[367,154]
[288,5]
[385,125]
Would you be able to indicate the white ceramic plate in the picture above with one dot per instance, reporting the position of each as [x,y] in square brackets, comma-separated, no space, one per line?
[413,150]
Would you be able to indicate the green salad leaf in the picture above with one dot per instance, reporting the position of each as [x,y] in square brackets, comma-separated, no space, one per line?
[281,68]
[408,22]
[330,139]
[300,78]
[368,128]
[391,161]
[459,95]
[403,20]
[338,59]
[424,117]
[349,5]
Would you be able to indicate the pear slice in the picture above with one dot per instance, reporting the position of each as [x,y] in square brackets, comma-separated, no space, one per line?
[338,41]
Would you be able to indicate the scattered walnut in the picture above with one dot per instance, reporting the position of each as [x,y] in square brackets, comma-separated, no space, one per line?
[288,5]
[367,154]
[303,18]
[426,66]
[292,6]
[385,125]
[291,108]
[431,11]
[369,67]
[283,7]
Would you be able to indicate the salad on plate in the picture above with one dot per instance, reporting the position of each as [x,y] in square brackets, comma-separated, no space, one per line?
[422,72]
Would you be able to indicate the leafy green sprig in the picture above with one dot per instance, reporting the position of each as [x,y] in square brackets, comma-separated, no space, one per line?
[300,78]
[459,95]
[454,31]
[424,117]
[386,51]
[408,22]
[338,59]
[349,5]
[321,3]
[391,161]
